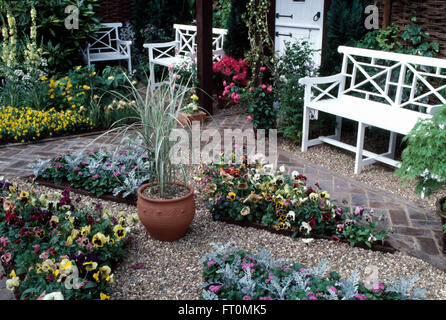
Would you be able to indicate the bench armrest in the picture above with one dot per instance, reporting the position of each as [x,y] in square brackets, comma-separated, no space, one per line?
[320,80]
[160,45]
[125,42]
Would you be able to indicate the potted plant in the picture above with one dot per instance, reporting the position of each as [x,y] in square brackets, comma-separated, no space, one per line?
[191,111]
[166,206]
[424,159]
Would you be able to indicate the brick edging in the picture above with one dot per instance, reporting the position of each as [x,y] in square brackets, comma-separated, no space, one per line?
[356,182]
[68,137]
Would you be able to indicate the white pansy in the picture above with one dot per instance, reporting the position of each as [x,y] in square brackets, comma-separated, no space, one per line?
[54,296]
[306,227]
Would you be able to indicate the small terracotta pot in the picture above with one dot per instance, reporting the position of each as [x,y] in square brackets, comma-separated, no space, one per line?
[186,119]
[166,220]
[442,214]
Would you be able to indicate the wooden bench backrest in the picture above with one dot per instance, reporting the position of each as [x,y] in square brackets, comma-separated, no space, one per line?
[105,39]
[399,80]
[186,37]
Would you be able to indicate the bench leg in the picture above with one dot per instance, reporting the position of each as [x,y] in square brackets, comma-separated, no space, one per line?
[129,65]
[152,75]
[338,128]
[359,147]
[392,145]
[305,129]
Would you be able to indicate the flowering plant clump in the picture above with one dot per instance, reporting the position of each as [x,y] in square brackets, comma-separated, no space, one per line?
[231,76]
[54,249]
[185,73]
[231,70]
[26,124]
[193,106]
[100,172]
[234,274]
[258,193]
[70,91]
[260,105]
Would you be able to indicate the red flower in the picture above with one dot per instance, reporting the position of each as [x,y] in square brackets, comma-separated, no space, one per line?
[326,216]
[312,223]
[309,191]
[50,277]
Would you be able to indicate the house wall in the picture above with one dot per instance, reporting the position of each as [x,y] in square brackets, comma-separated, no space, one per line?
[430,14]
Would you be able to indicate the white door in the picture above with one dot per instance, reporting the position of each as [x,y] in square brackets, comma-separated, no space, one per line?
[299,20]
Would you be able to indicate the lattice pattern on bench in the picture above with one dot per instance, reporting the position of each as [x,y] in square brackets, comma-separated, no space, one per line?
[105,45]
[184,45]
[375,88]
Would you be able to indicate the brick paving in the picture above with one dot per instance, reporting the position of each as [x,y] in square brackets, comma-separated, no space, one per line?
[416,231]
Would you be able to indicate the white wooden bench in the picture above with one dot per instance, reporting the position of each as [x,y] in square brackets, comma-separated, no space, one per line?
[184,45]
[387,90]
[106,46]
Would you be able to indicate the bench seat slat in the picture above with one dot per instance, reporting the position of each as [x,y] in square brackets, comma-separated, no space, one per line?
[105,56]
[373,113]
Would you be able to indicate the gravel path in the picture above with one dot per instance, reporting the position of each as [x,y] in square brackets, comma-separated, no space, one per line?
[378,175]
[172,270]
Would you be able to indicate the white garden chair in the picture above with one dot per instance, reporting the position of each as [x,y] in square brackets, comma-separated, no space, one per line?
[106,46]
[184,45]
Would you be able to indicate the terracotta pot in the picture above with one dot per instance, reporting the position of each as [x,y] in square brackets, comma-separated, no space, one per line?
[166,220]
[442,214]
[186,119]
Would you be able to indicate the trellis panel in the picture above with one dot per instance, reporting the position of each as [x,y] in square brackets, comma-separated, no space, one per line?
[430,16]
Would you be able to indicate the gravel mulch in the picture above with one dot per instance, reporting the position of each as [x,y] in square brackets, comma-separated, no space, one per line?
[161,270]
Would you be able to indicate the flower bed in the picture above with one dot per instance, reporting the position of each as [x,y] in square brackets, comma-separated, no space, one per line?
[257,194]
[52,249]
[100,173]
[26,124]
[234,274]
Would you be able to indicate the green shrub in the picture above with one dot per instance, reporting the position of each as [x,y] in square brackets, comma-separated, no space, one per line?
[236,41]
[424,158]
[345,24]
[60,44]
[410,41]
[294,64]
[221,13]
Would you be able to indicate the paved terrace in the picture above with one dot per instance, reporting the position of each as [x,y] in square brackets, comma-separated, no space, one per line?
[416,231]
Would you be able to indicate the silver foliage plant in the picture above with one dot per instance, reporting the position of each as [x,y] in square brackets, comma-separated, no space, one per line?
[284,288]
[107,161]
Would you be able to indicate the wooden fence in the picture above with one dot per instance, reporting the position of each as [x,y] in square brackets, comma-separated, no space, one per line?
[430,14]
[115,10]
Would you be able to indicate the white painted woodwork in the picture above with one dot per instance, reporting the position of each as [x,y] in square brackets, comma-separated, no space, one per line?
[184,46]
[387,90]
[299,21]
[106,46]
